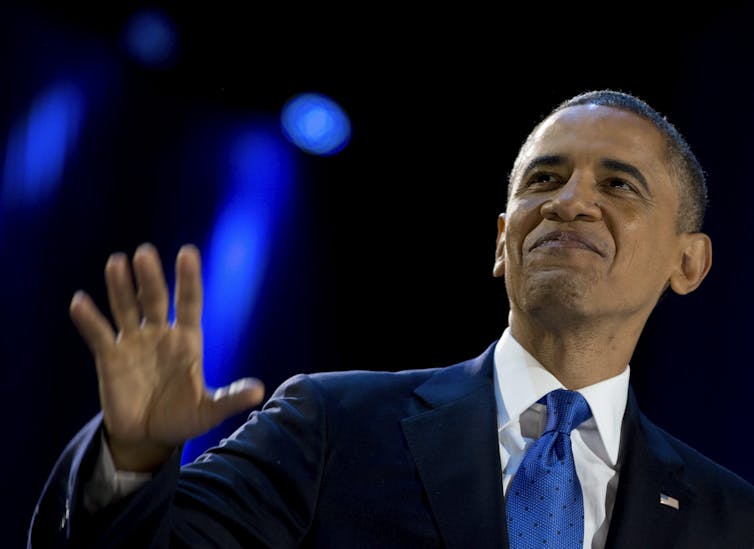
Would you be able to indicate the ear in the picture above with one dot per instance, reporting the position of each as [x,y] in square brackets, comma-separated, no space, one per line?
[498,269]
[696,260]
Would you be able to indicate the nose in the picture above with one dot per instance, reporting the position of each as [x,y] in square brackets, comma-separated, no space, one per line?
[576,200]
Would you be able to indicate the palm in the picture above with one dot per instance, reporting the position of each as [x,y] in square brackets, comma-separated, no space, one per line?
[153,387]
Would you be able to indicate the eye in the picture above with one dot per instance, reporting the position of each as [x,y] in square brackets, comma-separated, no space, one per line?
[542,180]
[620,184]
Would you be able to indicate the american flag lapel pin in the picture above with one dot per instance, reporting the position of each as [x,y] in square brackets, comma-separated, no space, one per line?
[669,501]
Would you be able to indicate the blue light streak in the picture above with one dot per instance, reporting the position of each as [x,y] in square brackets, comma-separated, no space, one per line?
[261,173]
[39,144]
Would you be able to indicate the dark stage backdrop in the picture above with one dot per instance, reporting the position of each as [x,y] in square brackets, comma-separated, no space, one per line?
[380,256]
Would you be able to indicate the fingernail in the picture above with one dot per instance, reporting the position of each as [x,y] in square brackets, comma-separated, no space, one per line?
[145,247]
[77,298]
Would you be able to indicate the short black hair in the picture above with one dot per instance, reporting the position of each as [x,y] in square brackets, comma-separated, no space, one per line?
[692,188]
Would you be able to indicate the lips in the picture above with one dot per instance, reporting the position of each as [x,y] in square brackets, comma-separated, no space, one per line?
[567,239]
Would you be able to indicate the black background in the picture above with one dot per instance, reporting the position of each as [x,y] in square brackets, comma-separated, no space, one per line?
[385,254]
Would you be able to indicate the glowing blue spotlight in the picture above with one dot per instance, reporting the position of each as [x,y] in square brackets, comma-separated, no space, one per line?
[151,38]
[260,177]
[236,260]
[38,146]
[316,124]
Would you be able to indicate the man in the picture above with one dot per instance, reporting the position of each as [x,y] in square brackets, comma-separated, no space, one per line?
[605,207]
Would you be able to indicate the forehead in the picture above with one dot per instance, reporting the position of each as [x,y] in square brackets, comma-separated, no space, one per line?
[595,131]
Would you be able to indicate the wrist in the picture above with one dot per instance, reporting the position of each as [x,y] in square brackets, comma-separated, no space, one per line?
[143,457]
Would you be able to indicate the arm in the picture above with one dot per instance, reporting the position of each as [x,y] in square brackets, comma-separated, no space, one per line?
[258,488]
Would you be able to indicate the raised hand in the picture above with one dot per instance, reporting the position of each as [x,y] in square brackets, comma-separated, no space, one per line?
[151,382]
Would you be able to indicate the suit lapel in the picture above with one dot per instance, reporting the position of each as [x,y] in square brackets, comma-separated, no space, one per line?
[651,468]
[453,440]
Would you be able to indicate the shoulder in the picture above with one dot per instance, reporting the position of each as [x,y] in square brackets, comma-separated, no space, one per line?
[359,385]
[712,479]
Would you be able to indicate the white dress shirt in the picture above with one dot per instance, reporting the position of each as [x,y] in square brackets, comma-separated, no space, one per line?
[108,484]
[520,381]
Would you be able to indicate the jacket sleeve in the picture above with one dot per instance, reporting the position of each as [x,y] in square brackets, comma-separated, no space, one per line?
[257,488]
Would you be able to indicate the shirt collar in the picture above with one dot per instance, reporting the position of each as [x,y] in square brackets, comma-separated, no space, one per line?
[526,381]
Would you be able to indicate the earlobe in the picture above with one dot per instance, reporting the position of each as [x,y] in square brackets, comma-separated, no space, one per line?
[498,269]
[696,260]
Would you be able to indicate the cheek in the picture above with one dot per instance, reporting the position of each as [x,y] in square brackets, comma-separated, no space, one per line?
[521,220]
[649,252]
[513,242]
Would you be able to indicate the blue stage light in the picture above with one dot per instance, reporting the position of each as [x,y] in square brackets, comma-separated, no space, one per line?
[235,264]
[39,144]
[316,124]
[151,38]
[260,177]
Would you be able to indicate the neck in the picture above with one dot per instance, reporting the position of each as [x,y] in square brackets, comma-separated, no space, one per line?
[577,354]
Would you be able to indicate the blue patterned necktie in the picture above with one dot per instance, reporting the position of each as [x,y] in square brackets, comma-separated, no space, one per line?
[544,506]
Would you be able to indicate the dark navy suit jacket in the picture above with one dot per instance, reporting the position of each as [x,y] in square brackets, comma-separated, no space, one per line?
[382,459]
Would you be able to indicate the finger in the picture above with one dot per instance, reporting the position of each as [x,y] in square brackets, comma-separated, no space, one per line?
[233,399]
[91,324]
[188,287]
[153,290]
[121,294]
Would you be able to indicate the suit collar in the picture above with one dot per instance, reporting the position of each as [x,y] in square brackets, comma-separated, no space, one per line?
[453,440]
[457,381]
[650,468]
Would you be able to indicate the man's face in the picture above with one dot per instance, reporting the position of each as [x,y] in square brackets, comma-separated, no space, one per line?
[590,228]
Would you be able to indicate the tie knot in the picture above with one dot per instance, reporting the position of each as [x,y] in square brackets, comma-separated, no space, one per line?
[566,410]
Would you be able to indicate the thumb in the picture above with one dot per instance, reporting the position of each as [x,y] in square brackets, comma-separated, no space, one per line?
[232,399]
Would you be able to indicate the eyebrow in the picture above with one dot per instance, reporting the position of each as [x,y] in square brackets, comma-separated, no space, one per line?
[551,160]
[628,169]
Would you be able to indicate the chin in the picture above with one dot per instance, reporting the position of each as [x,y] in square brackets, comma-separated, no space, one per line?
[559,296]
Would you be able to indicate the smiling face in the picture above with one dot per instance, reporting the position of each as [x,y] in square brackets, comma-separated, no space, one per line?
[590,229]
